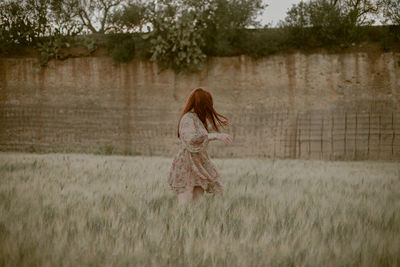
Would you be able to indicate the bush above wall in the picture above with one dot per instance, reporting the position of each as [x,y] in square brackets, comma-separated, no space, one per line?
[181,34]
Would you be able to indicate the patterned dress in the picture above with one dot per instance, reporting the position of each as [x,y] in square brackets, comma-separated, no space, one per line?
[192,166]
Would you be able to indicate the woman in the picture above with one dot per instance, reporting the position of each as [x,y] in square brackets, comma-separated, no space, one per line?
[192,171]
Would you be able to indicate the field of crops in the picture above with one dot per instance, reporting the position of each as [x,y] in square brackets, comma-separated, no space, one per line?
[74,210]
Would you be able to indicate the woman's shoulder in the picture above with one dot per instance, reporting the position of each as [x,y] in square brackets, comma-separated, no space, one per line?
[186,117]
[189,115]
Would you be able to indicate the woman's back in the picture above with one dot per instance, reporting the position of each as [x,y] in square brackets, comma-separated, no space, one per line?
[192,170]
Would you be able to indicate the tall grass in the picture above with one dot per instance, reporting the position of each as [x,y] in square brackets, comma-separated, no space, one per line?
[78,210]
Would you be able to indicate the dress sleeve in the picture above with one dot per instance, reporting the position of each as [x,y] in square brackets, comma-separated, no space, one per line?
[213,136]
[193,137]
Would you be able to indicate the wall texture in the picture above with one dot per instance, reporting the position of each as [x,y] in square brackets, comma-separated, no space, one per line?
[322,106]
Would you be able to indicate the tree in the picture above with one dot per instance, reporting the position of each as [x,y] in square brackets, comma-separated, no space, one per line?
[16,25]
[360,11]
[297,22]
[95,12]
[224,21]
[24,22]
[183,32]
[175,36]
[391,11]
[130,17]
[328,22]
[64,17]
[332,24]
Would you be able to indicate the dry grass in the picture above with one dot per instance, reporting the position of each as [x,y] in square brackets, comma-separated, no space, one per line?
[109,210]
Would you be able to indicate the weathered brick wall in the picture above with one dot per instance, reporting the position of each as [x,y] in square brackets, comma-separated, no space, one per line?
[325,106]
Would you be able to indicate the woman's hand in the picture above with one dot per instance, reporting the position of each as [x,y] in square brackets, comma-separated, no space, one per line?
[226,138]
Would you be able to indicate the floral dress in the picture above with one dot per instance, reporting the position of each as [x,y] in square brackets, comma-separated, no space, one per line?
[192,166]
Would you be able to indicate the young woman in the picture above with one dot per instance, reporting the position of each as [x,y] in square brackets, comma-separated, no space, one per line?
[192,172]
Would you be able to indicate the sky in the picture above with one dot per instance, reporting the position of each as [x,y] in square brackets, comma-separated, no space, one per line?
[276,10]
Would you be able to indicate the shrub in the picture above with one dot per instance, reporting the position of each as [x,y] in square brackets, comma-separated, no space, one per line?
[391,11]
[260,43]
[182,33]
[176,39]
[297,24]
[224,24]
[327,23]
[17,29]
[120,46]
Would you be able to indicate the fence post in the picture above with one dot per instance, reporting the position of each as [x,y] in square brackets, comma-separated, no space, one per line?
[369,130]
[345,134]
[393,134]
[380,135]
[322,138]
[285,144]
[332,125]
[297,137]
[355,139]
[309,135]
[274,132]
[300,141]
[292,134]
[280,136]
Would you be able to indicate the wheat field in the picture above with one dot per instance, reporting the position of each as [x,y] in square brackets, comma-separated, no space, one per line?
[91,210]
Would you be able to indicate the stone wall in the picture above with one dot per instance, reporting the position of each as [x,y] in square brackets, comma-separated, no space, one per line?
[323,106]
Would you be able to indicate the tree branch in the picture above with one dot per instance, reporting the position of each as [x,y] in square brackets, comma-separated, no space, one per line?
[83,15]
[107,7]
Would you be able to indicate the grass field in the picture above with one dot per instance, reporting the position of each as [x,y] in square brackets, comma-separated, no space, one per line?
[79,210]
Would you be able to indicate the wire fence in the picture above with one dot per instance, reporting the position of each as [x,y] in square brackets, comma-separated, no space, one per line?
[314,134]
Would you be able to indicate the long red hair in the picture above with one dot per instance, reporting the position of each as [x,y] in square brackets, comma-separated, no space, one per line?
[201,101]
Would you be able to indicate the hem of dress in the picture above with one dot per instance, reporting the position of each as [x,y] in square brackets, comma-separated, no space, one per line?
[213,188]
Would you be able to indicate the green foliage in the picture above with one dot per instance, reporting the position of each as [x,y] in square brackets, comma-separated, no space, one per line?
[297,24]
[105,149]
[123,52]
[125,43]
[64,17]
[260,43]
[130,17]
[50,48]
[176,39]
[94,16]
[124,46]
[390,37]
[180,34]
[186,31]
[322,23]
[87,41]
[333,25]
[120,46]
[32,23]
[16,30]
[224,22]
[391,11]
[142,47]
